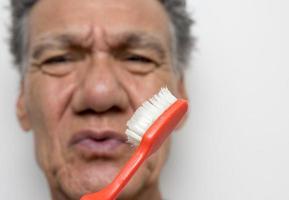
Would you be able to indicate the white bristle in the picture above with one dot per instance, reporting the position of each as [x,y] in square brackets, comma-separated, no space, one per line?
[147,113]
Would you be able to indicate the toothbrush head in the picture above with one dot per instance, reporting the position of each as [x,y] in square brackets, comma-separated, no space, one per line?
[146,114]
[155,119]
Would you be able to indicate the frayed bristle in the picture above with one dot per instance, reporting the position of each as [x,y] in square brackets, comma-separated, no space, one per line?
[147,113]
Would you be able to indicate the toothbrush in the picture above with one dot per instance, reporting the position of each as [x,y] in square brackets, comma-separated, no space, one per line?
[148,128]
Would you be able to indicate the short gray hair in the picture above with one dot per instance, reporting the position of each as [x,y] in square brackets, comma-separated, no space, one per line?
[176,10]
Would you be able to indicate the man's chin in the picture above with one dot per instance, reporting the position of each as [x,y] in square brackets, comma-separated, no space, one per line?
[74,182]
[77,181]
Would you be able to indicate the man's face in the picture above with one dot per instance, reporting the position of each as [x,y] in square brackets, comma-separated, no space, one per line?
[91,64]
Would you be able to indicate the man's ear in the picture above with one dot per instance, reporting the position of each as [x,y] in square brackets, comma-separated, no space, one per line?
[182,94]
[182,88]
[21,110]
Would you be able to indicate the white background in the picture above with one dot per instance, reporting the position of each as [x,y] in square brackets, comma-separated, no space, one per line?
[235,145]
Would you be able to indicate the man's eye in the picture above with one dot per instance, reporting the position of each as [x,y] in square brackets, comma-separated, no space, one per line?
[58,65]
[139,64]
[57,60]
[141,59]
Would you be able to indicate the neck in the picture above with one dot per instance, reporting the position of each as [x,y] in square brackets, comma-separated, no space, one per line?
[150,192]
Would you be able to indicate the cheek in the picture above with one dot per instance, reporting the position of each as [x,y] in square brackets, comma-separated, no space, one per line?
[45,109]
[142,87]
[46,99]
[155,163]
[37,101]
[41,103]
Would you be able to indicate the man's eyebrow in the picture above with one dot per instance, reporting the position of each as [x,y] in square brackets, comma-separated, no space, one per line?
[121,42]
[52,43]
[139,41]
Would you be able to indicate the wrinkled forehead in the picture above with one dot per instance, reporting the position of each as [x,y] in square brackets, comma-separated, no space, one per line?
[99,19]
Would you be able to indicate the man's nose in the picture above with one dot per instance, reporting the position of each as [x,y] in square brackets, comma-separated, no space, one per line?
[99,89]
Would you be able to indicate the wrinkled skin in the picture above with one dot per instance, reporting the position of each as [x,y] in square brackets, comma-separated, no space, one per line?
[90,65]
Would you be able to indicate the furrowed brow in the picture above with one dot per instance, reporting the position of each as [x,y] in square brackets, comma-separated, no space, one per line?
[123,41]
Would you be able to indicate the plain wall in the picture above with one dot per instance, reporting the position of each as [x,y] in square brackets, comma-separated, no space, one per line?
[235,143]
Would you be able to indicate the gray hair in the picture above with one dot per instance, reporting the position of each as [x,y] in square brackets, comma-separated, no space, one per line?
[176,10]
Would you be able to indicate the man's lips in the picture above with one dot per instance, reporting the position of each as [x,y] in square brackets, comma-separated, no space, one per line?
[91,143]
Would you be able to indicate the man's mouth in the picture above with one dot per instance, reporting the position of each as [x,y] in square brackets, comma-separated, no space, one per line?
[101,144]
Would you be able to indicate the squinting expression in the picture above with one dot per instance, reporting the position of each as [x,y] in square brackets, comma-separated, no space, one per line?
[90,65]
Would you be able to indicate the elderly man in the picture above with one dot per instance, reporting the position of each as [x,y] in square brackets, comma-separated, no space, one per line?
[86,65]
